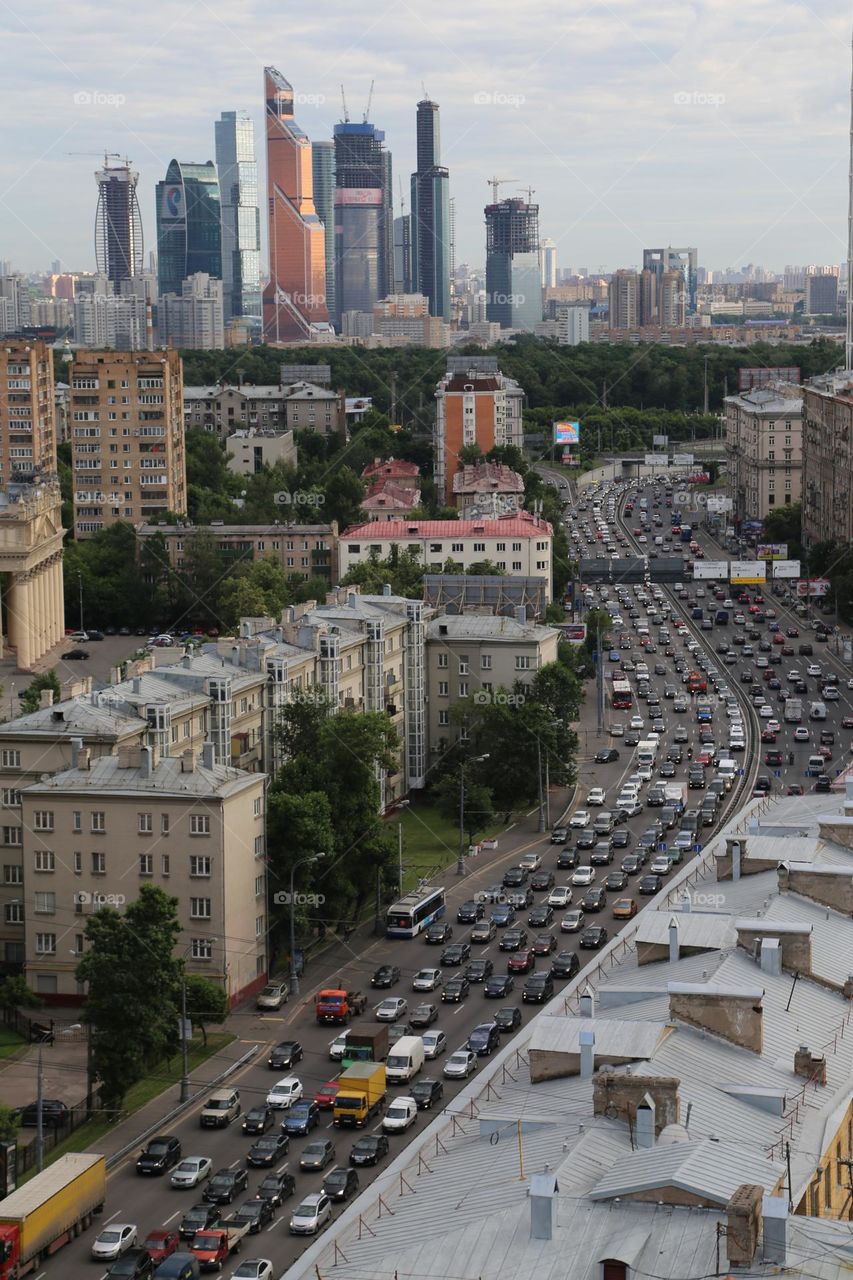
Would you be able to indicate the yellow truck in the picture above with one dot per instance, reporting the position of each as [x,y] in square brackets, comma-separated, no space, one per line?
[361,1094]
[49,1210]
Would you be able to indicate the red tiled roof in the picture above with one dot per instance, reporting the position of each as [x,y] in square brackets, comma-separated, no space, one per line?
[487,477]
[390,469]
[520,524]
[387,494]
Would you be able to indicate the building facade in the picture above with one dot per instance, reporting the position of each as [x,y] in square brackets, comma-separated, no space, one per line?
[118,224]
[513,268]
[572,325]
[299,405]
[764,449]
[478,405]
[323,164]
[821,293]
[623,300]
[828,459]
[194,318]
[430,215]
[241,219]
[189,235]
[251,451]
[309,550]
[127,435]
[364,253]
[487,488]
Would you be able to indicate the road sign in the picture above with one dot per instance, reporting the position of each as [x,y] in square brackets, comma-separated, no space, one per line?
[697,848]
[661,846]
[740,773]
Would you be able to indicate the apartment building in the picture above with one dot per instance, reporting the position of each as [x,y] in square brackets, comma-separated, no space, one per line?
[27,409]
[475,658]
[127,436]
[520,544]
[225,408]
[764,448]
[94,833]
[481,485]
[251,451]
[473,406]
[828,459]
[310,550]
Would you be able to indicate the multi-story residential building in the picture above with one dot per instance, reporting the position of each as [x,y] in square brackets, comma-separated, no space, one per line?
[27,409]
[296,405]
[473,658]
[241,219]
[250,451]
[764,449]
[96,832]
[828,459]
[405,318]
[549,264]
[624,298]
[189,236]
[310,550]
[487,488]
[194,318]
[519,544]
[388,500]
[572,325]
[684,261]
[478,405]
[821,293]
[127,435]
[106,320]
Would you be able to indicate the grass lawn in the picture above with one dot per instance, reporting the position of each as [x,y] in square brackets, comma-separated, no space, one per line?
[10,1042]
[430,842]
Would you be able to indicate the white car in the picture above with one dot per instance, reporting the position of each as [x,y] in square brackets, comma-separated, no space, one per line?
[774,726]
[113,1241]
[190,1172]
[560,896]
[426,980]
[253,1269]
[435,1043]
[284,1093]
[583,877]
[766,712]
[636,722]
[402,1113]
[596,797]
[390,1009]
[801,734]
[337,1048]
[813,669]
[617,731]
[460,1065]
[580,818]
[830,693]
[630,804]
[531,862]
[793,675]
[313,1213]
[850,684]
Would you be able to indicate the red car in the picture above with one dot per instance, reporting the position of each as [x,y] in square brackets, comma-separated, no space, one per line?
[159,1244]
[705,757]
[326,1094]
[826,752]
[544,944]
[521,961]
[792,632]
[778,638]
[768,735]
[847,722]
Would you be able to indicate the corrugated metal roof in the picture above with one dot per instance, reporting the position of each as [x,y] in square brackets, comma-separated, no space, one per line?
[695,928]
[710,1169]
[105,774]
[613,1036]
[477,626]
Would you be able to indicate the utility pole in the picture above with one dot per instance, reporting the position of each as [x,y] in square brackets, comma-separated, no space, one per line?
[392,413]
[705,387]
[539,778]
[39,1116]
[400,853]
[80,581]
[185,1068]
[460,862]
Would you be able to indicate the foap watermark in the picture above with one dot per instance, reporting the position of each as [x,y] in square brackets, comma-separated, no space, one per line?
[82,898]
[285,899]
[697,99]
[300,498]
[485,698]
[715,901]
[487,98]
[506,299]
[309,99]
[305,301]
[97,98]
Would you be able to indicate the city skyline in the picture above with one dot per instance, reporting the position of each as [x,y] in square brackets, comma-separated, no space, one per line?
[651,109]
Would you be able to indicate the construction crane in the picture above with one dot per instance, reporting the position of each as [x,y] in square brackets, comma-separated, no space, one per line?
[108,155]
[494,183]
[369,100]
[344,101]
[531,192]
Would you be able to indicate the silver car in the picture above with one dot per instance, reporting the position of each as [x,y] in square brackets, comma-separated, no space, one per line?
[460,1065]
[435,1043]
[313,1213]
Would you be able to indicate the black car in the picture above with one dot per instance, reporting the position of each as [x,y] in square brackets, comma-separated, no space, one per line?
[76,655]
[369,1149]
[254,1214]
[508,1019]
[602,854]
[285,1055]
[224,1185]
[616,881]
[426,1092]
[593,937]
[559,835]
[276,1187]
[479,970]
[95,635]
[267,1150]
[594,899]
[471,911]
[385,976]
[521,898]
[302,1117]
[567,859]
[439,933]
[498,986]
[565,965]
[538,988]
[620,839]
[515,877]
[198,1218]
[54,1114]
[540,917]
[606,755]
[161,1154]
[823,783]
[586,840]
[631,864]
[258,1120]
[649,885]
[455,989]
[340,1183]
[456,954]
[513,940]
[136,1264]
[483,1039]
[542,880]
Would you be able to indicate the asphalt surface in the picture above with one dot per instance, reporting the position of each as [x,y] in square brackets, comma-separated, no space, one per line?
[150,1203]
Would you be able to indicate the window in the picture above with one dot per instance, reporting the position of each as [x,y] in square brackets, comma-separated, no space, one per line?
[443,689]
[78,943]
[165,864]
[463,688]
[76,820]
[44,860]
[522,662]
[457,547]
[99,821]
[479,546]
[202,948]
[11,797]
[442,660]
[444,718]
[256,806]
[259,886]
[199,824]
[164,824]
[78,863]
[486,662]
[463,667]
[10,759]
[146,864]
[516,546]
[44,904]
[45,944]
[14,913]
[199,866]
[259,926]
[13,873]
[99,864]
[187,728]
[145,823]
[199,908]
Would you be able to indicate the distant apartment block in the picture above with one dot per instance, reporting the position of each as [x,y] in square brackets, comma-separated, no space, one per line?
[194,318]
[764,448]
[309,550]
[828,459]
[474,406]
[821,293]
[251,451]
[299,405]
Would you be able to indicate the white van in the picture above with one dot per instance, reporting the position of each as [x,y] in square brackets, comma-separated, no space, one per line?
[817,764]
[405,1059]
[817,711]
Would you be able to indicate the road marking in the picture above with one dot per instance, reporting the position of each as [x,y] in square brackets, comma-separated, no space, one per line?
[177,1214]
[112,1215]
[234,1164]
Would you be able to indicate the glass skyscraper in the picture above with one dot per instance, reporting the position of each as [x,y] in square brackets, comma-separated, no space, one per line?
[431,215]
[364,231]
[189,237]
[241,218]
[513,272]
[323,163]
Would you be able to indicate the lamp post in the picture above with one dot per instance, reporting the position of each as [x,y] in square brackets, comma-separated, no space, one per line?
[460,864]
[402,804]
[185,1069]
[80,583]
[303,862]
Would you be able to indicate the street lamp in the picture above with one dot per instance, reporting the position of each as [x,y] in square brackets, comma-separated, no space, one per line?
[460,864]
[303,862]
[80,582]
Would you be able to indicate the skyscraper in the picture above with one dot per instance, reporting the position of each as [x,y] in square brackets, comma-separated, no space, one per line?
[684,260]
[403,254]
[189,237]
[624,298]
[323,163]
[364,233]
[241,218]
[118,223]
[431,215]
[513,274]
[295,297]
[549,264]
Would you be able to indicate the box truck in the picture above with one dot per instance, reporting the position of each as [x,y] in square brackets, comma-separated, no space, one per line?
[49,1210]
[361,1094]
[366,1045]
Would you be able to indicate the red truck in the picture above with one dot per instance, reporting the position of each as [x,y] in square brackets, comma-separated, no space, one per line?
[336,1006]
[214,1245]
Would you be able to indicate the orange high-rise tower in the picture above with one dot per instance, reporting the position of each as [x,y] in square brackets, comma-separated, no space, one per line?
[295,297]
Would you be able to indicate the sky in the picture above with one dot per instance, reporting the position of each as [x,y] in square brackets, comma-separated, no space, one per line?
[721,123]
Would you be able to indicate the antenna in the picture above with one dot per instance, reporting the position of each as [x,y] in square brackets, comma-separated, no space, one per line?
[402,197]
[494,183]
[424,91]
[848,346]
[369,100]
[344,101]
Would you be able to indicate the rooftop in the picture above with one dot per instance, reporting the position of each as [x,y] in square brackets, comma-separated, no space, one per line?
[106,774]
[487,477]
[482,626]
[521,524]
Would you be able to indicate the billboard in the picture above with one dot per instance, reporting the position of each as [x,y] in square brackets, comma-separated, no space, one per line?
[656,460]
[573,632]
[358,195]
[660,442]
[748,379]
[682,459]
[711,569]
[718,505]
[786,568]
[772,551]
[813,587]
[567,432]
[172,207]
[748,571]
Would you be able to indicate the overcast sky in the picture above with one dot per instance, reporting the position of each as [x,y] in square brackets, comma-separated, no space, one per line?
[721,123]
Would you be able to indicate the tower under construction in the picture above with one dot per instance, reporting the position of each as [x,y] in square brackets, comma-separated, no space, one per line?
[118,223]
[513,274]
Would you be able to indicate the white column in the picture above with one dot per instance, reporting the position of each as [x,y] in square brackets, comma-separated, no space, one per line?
[59,604]
[41,644]
[53,626]
[22,610]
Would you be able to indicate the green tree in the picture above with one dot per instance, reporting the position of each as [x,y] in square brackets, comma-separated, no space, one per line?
[207,1003]
[299,827]
[344,496]
[403,570]
[10,1124]
[598,627]
[31,698]
[479,809]
[15,994]
[133,990]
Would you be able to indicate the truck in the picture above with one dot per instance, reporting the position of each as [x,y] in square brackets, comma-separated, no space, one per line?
[647,751]
[360,1096]
[405,1060]
[366,1045]
[793,711]
[49,1210]
[336,1006]
[675,795]
[214,1246]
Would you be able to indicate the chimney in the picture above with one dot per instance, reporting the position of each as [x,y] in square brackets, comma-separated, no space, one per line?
[646,1123]
[84,758]
[128,757]
[794,942]
[674,947]
[146,762]
[808,1066]
[543,1190]
[770,956]
[774,1210]
[187,660]
[208,757]
[736,852]
[386,589]
[587,1044]
[137,684]
[235,655]
[743,1225]
[521,614]
[46,698]
[733,1013]
[351,599]
[617,1095]
[188,761]
[686,902]
[587,1002]
[76,748]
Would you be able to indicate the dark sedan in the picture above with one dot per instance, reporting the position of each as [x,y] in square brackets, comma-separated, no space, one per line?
[544,944]
[455,990]
[255,1214]
[542,880]
[508,1019]
[471,911]
[541,917]
[499,986]
[437,934]
[258,1120]
[302,1117]
[341,1183]
[649,885]
[369,1149]
[565,965]
[267,1150]
[593,937]
[567,859]
[513,940]
[276,1187]
[616,881]
[426,1093]
[456,954]
[479,970]
[594,899]
[538,988]
[606,755]
[285,1055]
[385,976]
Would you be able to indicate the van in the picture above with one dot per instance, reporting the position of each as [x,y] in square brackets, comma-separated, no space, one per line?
[817,711]
[221,1108]
[817,764]
[405,1059]
[603,824]
[178,1266]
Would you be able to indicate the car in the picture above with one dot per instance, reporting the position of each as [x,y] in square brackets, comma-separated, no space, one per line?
[402,1113]
[624,909]
[544,944]
[513,940]
[427,980]
[560,896]
[326,1094]
[258,1119]
[565,965]
[435,1044]
[254,1214]
[460,1065]
[276,1187]
[479,970]
[390,1009]
[437,934]
[583,877]
[567,859]
[224,1185]
[607,755]
[285,1055]
[396,1032]
[340,1183]
[161,1154]
[503,914]
[580,818]
[471,911]
[660,865]
[508,1019]
[542,881]
[814,669]
[272,996]
[586,840]
[254,1269]
[531,862]
[426,1092]
[424,1015]
[773,758]
[136,1264]
[54,1114]
[649,885]
[302,1117]
[369,1150]
[456,954]
[316,1155]
[616,881]
[617,731]
[160,1244]
[596,797]
[387,975]
[559,835]
[284,1093]
[540,917]
[498,986]
[311,1215]
[114,1240]
[455,990]
[593,937]
[485,931]
[594,899]
[573,921]
[198,1218]
[338,1046]
[190,1172]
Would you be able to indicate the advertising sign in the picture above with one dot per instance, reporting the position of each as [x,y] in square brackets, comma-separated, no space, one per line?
[358,195]
[711,569]
[772,551]
[567,432]
[682,459]
[718,505]
[748,379]
[656,460]
[568,459]
[574,632]
[813,587]
[172,205]
[748,571]
[786,568]
[660,442]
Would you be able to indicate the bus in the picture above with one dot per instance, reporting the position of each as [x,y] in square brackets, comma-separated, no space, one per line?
[413,912]
[621,697]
